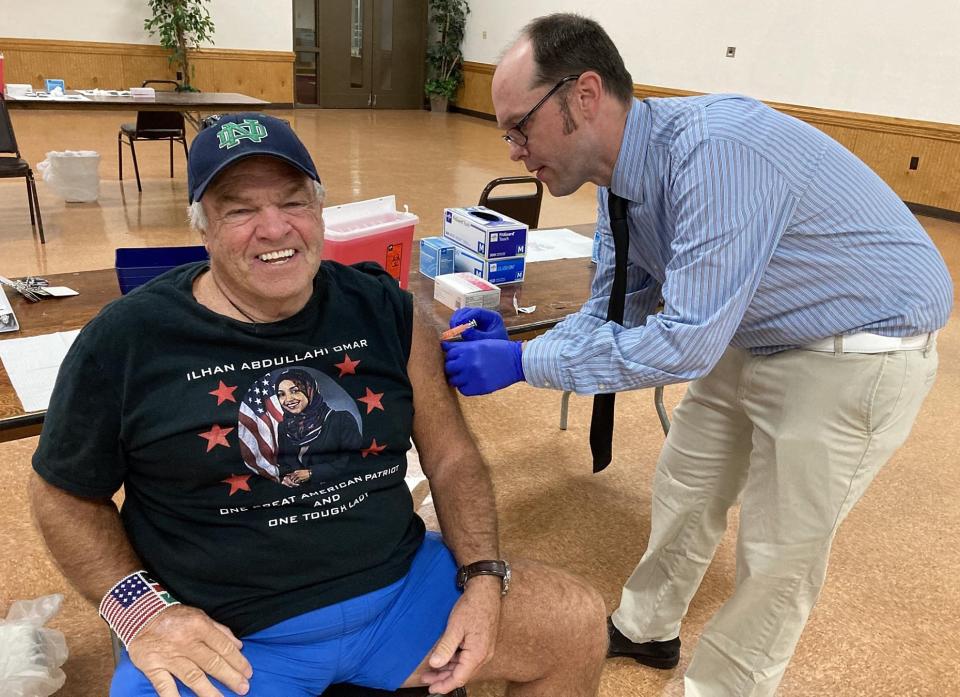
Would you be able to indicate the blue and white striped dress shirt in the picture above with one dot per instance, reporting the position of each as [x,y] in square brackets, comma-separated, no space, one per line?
[758,231]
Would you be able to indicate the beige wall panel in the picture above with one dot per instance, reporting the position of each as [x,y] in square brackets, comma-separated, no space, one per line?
[263,74]
[474,94]
[137,68]
[267,79]
[885,143]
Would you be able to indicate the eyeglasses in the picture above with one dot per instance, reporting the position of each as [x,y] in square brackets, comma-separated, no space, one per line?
[515,134]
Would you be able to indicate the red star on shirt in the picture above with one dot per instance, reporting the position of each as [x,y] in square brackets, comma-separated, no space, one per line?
[374,449]
[223,394]
[216,436]
[237,482]
[372,400]
[348,367]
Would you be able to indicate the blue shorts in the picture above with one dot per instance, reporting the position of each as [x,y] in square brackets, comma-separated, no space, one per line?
[376,640]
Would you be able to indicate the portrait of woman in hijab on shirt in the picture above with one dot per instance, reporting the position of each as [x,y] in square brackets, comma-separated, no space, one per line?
[313,439]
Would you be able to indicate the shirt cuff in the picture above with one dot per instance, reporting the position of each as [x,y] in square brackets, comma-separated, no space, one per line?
[539,369]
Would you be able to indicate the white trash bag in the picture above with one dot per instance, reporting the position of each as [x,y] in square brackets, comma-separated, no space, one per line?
[31,654]
[73,174]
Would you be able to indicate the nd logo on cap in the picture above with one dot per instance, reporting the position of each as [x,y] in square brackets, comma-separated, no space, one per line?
[230,134]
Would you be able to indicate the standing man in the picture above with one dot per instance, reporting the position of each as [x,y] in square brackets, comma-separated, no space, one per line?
[800,297]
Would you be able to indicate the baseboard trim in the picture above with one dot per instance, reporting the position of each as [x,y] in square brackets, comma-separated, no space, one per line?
[934,212]
[471,112]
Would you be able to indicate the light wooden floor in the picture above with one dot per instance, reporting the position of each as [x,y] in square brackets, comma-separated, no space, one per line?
[887,622]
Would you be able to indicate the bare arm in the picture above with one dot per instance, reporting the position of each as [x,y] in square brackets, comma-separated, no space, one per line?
[90,546]
[85,537]
[458,476]
[463,495]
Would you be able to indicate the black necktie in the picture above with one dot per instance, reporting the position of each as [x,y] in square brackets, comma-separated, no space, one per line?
[601,424]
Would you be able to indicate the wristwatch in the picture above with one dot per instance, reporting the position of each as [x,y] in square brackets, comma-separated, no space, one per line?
[487,567]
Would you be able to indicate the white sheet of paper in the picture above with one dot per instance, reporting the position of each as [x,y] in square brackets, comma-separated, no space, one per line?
[32,364]
[546,245]
[59,291]
[47,97]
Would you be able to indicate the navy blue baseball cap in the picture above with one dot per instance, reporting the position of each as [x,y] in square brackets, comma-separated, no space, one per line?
[230,138]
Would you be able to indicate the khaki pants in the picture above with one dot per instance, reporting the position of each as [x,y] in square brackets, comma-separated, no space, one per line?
[798,437]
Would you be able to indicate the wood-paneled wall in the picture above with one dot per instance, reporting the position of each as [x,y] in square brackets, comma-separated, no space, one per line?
[267,75]
[885,143]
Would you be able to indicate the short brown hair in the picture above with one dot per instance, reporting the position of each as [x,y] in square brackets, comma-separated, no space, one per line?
[569,44]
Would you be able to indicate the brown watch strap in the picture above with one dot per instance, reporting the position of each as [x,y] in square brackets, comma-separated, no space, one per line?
[486,567]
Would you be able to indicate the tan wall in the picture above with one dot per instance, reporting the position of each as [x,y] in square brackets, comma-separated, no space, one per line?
[266,75]
[886,144]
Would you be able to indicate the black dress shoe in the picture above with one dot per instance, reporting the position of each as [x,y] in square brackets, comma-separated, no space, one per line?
[656,654]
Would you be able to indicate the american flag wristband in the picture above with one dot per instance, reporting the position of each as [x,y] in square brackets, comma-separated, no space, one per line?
[132,603]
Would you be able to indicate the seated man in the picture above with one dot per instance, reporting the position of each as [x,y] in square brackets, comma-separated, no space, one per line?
[218,575]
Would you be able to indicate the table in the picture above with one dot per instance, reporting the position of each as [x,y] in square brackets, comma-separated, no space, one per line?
[557,288]
[191,104]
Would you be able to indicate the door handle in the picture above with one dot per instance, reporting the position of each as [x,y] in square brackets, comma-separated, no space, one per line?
[369,100]
[374,101]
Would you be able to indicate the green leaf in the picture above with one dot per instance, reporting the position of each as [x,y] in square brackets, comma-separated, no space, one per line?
[181,26]
[448,19]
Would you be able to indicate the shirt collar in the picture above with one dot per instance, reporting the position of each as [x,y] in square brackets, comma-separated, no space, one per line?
[627,178]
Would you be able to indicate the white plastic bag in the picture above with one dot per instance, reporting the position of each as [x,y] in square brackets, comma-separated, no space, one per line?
[31,654]
[73,174]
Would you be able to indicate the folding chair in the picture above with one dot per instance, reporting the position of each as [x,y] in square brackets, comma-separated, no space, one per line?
[152,125]
[522,207]
[16,166]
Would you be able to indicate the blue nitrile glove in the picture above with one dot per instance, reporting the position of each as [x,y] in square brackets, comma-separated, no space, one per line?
[483,366]
[489,323]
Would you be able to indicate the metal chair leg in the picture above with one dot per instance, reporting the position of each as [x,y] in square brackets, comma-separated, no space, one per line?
[186,153]
[36,205]
[136,168]
[564,407]
[171,158]
[661,410]
[120,153]
[33,220]
[117,648]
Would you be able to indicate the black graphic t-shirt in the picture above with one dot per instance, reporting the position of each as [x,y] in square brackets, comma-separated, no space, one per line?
[263,465]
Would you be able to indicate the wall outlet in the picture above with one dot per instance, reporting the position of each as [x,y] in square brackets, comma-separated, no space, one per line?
[179,75]
[731,51]
[483,34]
[914,162]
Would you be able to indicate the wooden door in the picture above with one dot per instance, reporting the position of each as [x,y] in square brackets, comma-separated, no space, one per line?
[398,53]
[365,53]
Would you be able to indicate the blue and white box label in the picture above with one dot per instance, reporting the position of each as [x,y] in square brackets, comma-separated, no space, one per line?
[436,256]
[498,271]
[485,232]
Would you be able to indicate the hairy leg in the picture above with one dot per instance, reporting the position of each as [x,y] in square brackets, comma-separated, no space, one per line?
[552,638]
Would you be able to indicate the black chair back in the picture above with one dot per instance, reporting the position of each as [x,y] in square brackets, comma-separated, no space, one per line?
[147,83]
[159,121]
[8,141]
[522,207]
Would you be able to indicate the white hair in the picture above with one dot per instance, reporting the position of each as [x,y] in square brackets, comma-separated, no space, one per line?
[198,217]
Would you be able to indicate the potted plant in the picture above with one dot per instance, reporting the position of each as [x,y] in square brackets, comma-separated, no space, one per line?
[448,19]
[182,26]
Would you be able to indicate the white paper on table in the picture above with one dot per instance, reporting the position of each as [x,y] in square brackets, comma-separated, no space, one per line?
[562,243]
[32,364]
[105,93]
[59,291]
[47,97]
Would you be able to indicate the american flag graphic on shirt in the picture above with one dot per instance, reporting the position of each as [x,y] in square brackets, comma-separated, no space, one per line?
[132,603]
[260,414]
